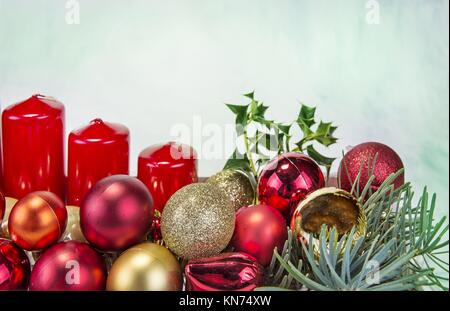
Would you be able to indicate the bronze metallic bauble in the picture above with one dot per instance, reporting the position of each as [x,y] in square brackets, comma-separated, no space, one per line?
[73,231]
[9,204]
[197,221]
[237,186]
[330,206]
[145,267]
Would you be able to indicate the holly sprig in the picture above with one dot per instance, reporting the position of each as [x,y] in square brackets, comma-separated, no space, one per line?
[264,138]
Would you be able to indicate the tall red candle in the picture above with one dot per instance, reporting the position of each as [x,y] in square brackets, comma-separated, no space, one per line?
[166,168]
[96,151]
[33,147]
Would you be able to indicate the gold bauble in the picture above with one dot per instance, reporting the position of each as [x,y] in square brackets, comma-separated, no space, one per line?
[145,267]
[237,186]
[9,204]
[197,221]
[332,207]
[73,231]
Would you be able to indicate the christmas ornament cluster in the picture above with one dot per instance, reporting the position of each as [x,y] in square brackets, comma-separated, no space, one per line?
[100,229]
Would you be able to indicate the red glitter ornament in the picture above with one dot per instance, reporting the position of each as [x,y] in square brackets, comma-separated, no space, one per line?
[166,168]
[116,213]
[14,267]
[224,272]
[68,266]
[361,158]
[258,230]
[287,179]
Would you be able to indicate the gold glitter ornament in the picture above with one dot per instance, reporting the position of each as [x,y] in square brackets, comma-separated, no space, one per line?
[237,186]
[197,221]
[73,231]
[145,267]
[9,204]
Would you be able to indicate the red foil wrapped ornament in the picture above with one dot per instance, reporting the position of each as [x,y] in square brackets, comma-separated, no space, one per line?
[33,147]
[287,179]
[224,272]
[69,266]
[116,213]
[362,158]
[96,151]
[166,168]
[258,230]
[37,220]
[14,267]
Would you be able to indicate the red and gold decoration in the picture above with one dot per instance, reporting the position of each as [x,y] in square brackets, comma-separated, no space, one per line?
[33,147]
[224,272]
[95,151]
[288,179]
[332,207]
[166,168]
[259,229]
[237,186]
[145,267]
[370,158]
[9,204]
[37,220]
[73,230]
[116,213]
[197,221]
[14,267]
[69,266]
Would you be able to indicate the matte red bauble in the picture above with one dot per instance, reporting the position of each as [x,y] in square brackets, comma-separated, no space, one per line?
[14,266]
[258,230]
[287,179]
[68,266]
[224,272]
[37,220]
[116,213]
[362,158]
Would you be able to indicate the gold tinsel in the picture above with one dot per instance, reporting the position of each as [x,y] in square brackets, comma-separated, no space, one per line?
[197,221]
[236,185]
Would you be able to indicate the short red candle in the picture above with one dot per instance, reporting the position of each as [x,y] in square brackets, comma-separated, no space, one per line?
[33,147]
[166,168]
[96,151]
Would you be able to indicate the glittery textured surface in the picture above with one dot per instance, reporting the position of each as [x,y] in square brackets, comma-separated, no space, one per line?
[363,155]
[236,185]
[197,221]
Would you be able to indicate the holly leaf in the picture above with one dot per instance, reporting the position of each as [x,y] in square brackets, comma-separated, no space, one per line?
[305,119]
[238,161]
[324,133]
[241,116]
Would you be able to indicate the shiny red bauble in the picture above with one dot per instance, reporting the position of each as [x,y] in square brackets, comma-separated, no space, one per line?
[370,157]
[33,147]
[224,272]
[258,230]
[287,179]
[116,213]
[68,266]
[166,168]
[14,267]
[97,150]
[37,220]
[2,206]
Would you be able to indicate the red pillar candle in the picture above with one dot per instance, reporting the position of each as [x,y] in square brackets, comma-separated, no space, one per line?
[33,147]
[166,168]
[96,151]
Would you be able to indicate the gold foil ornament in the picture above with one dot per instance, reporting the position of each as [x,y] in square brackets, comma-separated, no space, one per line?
[237,186]
[73,231]
[145,267]
[197,221]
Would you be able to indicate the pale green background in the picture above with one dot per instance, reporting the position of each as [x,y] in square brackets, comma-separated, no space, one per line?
[151,64]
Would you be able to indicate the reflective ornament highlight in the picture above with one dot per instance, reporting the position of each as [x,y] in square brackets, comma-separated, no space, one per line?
[332,207]
[224,272]
[371,157]
[259,229]
[145,267]
[236,185]
[116,213]
[287,179]
[37,220]
[198,221]
[73,230]
[69,266]
[14,267]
